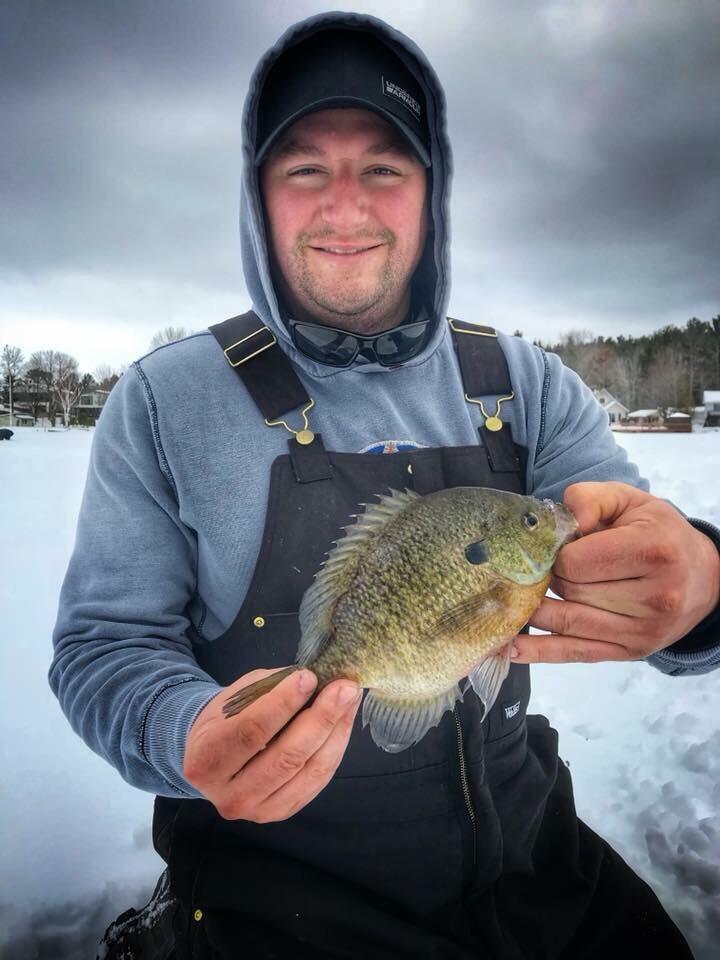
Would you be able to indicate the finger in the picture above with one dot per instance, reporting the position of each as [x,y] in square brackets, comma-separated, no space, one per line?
[549,648]
[239,738]
[315,775]
[579,620]
[598,504]
[619,554]
[293,747]
[640,599]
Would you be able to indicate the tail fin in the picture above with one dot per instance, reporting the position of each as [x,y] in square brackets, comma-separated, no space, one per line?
[243,698]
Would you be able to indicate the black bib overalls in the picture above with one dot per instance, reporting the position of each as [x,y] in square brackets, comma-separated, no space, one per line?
[464,845]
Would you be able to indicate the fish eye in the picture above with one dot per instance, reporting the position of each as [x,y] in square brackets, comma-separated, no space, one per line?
[530,520]
[476,552]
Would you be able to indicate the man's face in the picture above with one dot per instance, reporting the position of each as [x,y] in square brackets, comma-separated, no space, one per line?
[345,205]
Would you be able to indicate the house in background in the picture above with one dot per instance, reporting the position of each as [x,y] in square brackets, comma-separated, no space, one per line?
[89,405]
[645,418]
[20,417]
[711,402]
[615,410]
[679,422]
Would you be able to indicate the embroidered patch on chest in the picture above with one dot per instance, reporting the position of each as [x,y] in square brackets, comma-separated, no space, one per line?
[391,446]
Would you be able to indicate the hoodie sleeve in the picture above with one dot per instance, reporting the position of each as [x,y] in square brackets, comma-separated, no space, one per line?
[574,444]
[123,667]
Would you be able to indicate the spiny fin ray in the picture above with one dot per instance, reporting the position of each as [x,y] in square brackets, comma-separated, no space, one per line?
[338,569]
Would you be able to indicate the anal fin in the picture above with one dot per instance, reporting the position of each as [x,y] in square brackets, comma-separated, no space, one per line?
[398,724]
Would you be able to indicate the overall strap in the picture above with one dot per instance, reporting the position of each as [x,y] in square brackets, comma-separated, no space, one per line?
[249,348]
[484,371]
[252,350]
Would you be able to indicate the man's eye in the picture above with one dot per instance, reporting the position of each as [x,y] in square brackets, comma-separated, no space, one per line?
[383,171]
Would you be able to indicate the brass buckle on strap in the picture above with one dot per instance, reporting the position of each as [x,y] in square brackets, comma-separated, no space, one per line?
[487,332]
[255,333]
[303,436]
[492,421]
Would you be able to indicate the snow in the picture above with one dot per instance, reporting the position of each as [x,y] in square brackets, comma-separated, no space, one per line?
[643,748]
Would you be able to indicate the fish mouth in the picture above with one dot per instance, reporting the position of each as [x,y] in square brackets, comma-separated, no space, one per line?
[566,526]
[566,529]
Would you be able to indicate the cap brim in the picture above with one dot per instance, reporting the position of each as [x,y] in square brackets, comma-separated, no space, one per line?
[329,102]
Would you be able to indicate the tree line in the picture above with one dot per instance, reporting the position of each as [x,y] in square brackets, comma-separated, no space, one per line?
[49,383]
[668,368]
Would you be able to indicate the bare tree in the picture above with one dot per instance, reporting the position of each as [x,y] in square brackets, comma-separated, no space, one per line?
[69,384]
[43,364]
[63,378]
[37,383]
[667,380]
[168,335]
[628,377]
[11,364]
[572,350]
[106,376]
[103,372]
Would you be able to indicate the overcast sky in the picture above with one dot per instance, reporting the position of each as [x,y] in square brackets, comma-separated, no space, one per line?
[586,137]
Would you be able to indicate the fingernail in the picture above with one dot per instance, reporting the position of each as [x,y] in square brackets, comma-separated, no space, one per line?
[347,694]
[306,681]
[514,652]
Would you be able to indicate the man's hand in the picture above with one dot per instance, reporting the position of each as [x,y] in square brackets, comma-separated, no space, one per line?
[642,578]
[266,763]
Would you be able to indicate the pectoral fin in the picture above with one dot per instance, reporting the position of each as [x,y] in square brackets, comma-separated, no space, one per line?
[474,615]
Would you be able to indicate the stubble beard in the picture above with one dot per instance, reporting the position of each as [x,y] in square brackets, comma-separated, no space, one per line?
[362,307]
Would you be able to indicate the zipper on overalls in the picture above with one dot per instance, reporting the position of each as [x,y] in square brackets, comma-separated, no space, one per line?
[465,785]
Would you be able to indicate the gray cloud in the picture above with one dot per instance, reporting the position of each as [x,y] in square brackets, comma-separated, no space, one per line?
[586,138]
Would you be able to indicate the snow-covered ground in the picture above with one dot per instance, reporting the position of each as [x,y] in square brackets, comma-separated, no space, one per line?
[644,749]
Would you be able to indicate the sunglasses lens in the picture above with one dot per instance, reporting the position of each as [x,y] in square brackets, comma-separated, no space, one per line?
[401,344]
[327,346]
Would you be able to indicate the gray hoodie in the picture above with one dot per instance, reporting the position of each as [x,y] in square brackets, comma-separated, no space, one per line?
[172,514]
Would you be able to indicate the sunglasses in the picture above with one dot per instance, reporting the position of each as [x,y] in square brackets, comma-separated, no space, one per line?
[338,348]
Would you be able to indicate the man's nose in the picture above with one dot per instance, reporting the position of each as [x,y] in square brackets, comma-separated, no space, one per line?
[345,203]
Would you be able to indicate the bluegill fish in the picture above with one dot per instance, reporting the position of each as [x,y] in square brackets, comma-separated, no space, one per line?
[420,593]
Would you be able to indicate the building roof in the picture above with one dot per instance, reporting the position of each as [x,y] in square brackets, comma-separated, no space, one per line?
[678,414]
[644,413]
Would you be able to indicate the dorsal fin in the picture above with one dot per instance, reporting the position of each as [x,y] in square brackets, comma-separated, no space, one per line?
[338,570]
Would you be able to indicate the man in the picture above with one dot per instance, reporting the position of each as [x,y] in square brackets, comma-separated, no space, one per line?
[219,479]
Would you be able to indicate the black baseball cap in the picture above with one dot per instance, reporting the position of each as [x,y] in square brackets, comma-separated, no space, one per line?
[341,68]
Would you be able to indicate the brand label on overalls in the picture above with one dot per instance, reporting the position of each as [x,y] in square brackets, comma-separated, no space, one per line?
[512,710]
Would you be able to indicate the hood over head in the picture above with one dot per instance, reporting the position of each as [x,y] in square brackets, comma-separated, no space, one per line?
[428,135]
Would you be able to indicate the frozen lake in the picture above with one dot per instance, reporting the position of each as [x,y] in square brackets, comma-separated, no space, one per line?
[644,749]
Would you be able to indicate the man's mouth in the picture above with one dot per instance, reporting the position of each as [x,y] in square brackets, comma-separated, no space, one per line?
[345,251]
